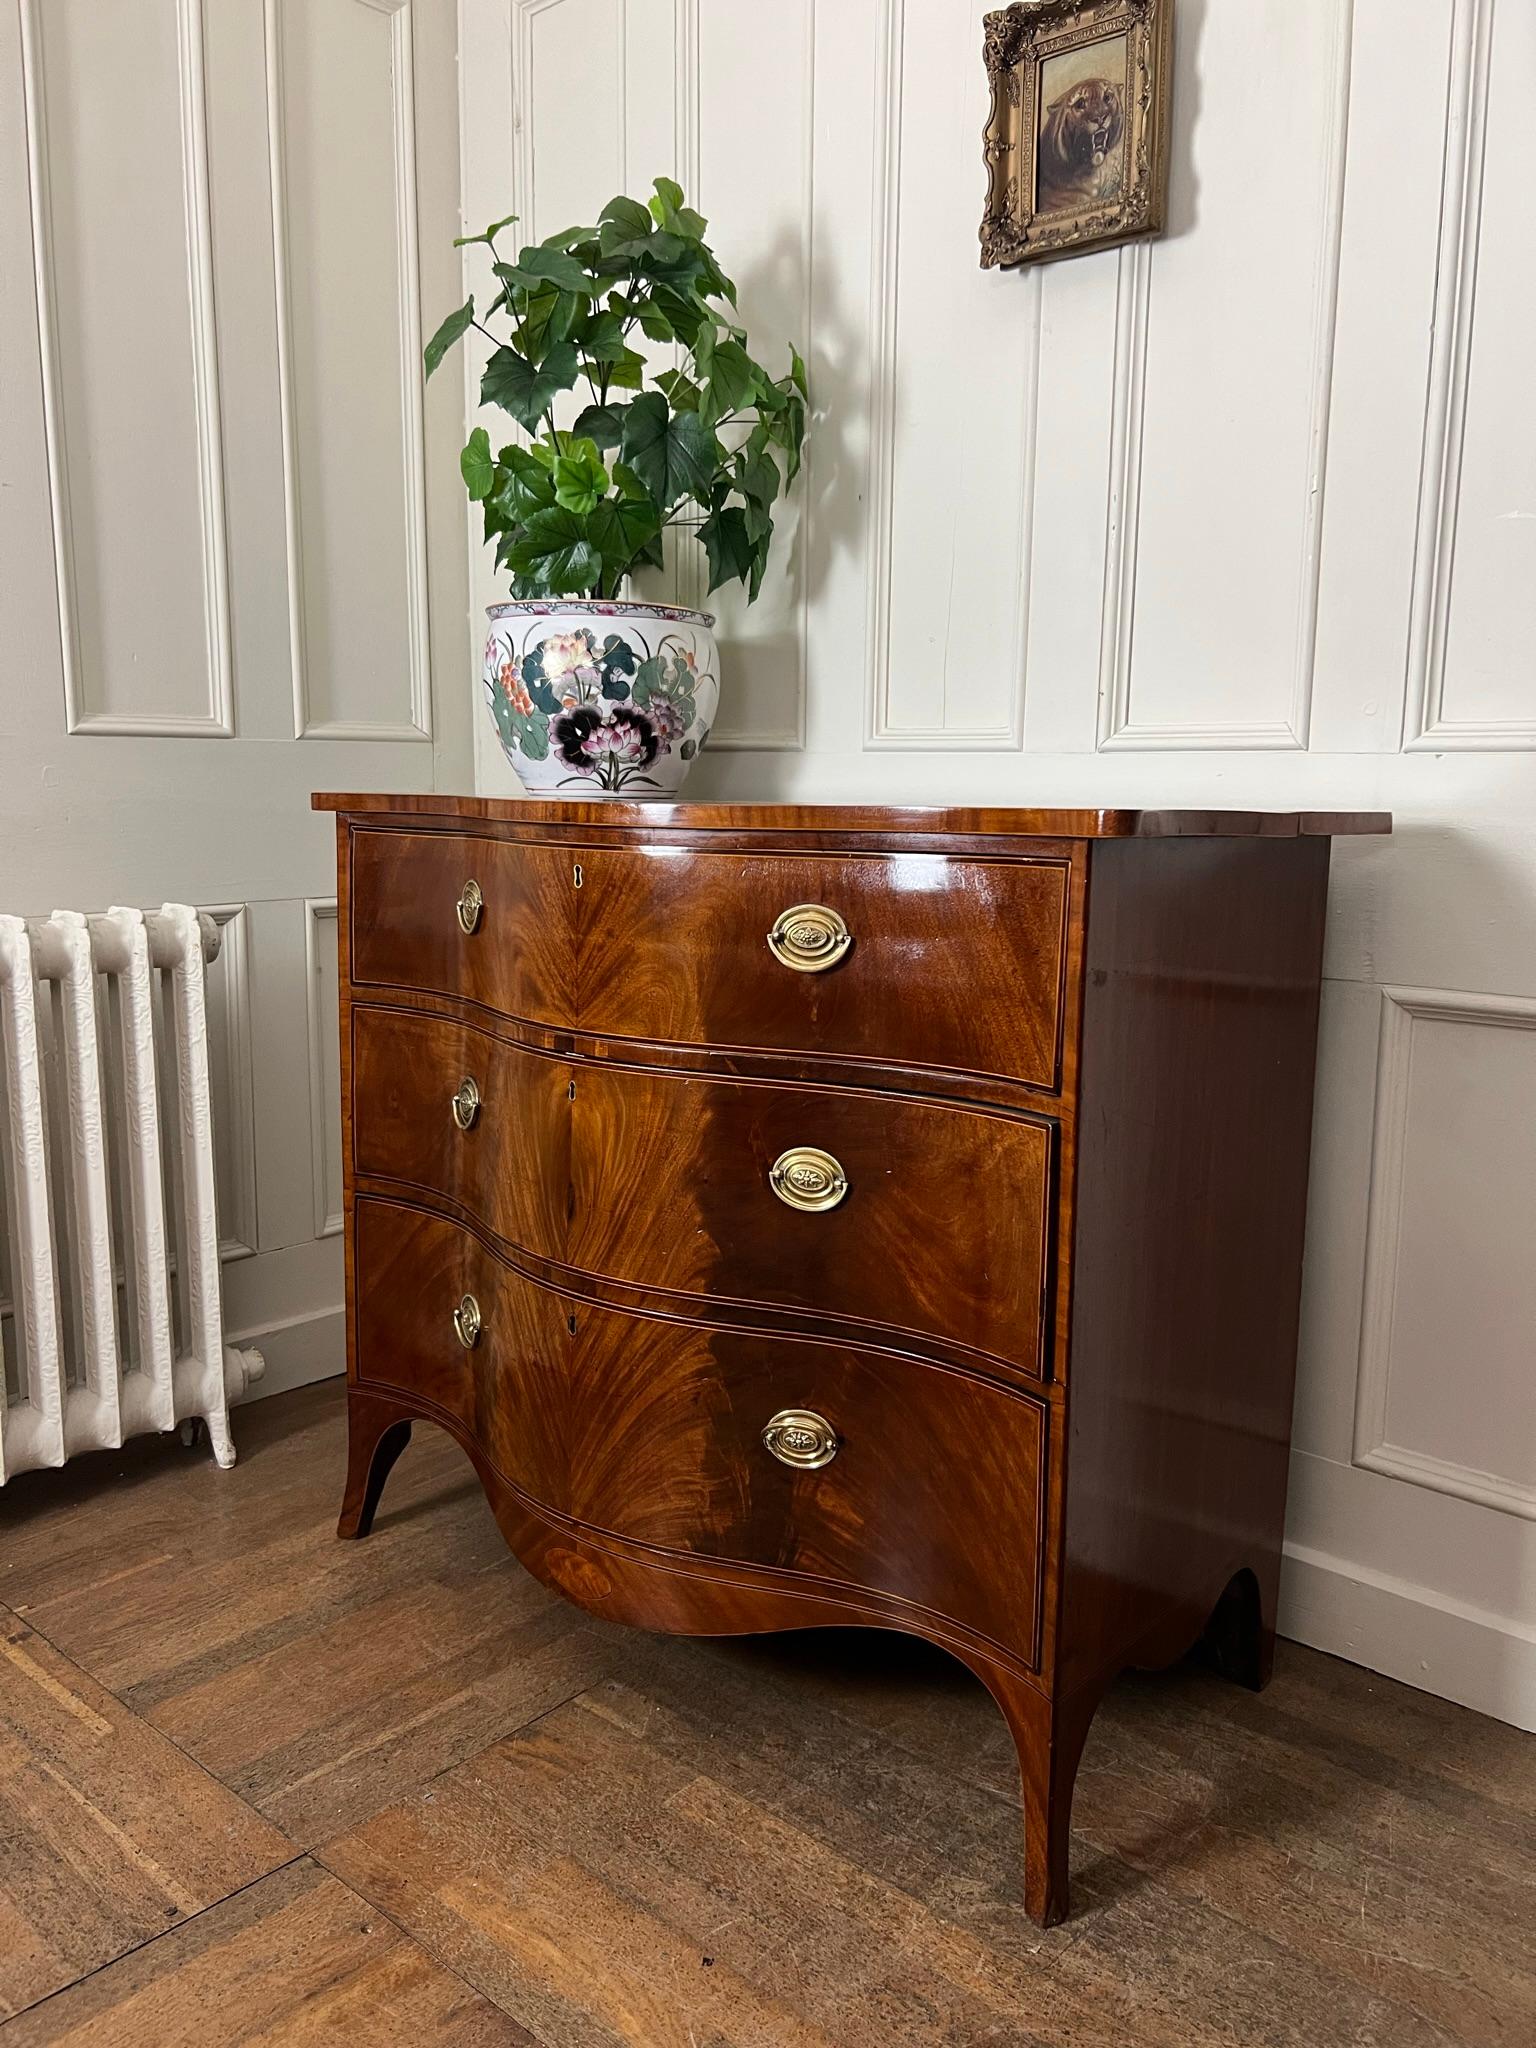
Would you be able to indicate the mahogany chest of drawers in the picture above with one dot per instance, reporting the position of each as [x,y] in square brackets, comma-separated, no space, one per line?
[809,1216]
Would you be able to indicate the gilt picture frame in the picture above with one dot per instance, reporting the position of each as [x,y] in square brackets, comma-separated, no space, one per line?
[1076,140]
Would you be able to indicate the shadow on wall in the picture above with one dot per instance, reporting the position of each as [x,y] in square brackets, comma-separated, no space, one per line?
[817,521]
[830,347]
[1391,895]
[1183,185]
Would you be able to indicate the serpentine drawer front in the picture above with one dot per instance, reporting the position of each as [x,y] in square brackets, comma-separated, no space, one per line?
[766,1197]
[674,1183]
[928,960]
[660,1435]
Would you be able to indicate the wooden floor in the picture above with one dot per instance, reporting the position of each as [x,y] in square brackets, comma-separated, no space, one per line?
[256,1784]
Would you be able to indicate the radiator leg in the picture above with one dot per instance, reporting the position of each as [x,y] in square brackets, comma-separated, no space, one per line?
[377,1432]
[221,1438]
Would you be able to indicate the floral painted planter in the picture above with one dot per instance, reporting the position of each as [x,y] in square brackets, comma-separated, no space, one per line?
[592,699]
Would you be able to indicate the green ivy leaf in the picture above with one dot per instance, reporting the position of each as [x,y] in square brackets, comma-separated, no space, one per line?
[477,465]
[669,197]
[651,556]
[524,485]
[673,454]
[628,373]
[524,389]
[555,555]
[486,234]
[760,546]
[728,545]
[672,215]
[618,528]
[683,394]
[537,265]
[718,284]
[671,259]
[787,431]
[580,478]
[549,316]
[602,340]
[602,424]
[797,372]
[627,216]
[732,378]
[568,238]
[450,331]
[757,479]
[683,311]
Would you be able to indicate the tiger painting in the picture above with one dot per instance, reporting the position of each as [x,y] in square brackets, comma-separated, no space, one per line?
[1079,158]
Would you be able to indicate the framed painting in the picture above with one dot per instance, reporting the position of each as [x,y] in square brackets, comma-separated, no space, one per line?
[1076,141]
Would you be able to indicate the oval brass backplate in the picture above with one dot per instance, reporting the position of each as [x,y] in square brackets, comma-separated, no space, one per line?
[809,938]
[465,1102]
[468,1322]
[469,906]
[802,1438]
[805,1177]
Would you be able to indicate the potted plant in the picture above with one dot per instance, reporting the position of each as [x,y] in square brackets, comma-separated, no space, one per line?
[594,694]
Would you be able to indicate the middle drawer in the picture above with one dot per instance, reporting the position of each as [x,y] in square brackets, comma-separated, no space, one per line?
[879,1209]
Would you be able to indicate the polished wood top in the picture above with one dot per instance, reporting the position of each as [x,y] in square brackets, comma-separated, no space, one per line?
[854,818]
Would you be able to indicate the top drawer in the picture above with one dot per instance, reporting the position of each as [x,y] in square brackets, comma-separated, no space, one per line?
[412,925]
[927,960]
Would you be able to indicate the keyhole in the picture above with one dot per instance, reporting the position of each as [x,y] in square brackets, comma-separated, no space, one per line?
[576,876]
[570,1324]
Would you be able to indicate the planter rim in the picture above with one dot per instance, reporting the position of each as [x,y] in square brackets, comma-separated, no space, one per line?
[603,608]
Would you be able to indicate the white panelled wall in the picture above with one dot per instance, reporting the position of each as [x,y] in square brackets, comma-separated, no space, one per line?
[231,544]
[1245,517]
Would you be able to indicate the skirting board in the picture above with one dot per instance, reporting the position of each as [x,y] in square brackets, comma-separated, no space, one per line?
[1461,1653]
[298,1350]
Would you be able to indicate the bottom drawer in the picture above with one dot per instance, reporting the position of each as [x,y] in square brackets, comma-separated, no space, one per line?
[897,1477]
[508,1390]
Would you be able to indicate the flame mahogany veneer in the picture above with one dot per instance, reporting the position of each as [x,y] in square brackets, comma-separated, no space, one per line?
[1066,1068]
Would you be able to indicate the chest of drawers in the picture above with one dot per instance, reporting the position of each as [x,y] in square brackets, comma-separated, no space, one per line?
[845,1216]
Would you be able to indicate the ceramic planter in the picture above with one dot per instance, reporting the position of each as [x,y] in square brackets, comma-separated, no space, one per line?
[592,699]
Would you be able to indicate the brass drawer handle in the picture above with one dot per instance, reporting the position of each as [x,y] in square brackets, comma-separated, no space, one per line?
[805,1177]
[468,1322]
[466,1102]
[809,938]
[801,1438]
[469,906]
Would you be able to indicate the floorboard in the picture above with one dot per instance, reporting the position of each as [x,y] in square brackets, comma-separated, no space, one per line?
[346,1976]
[255,1783]
[107,1832]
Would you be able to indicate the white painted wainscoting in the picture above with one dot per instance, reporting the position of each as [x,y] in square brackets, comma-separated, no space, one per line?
[1244,517]
[230,526]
